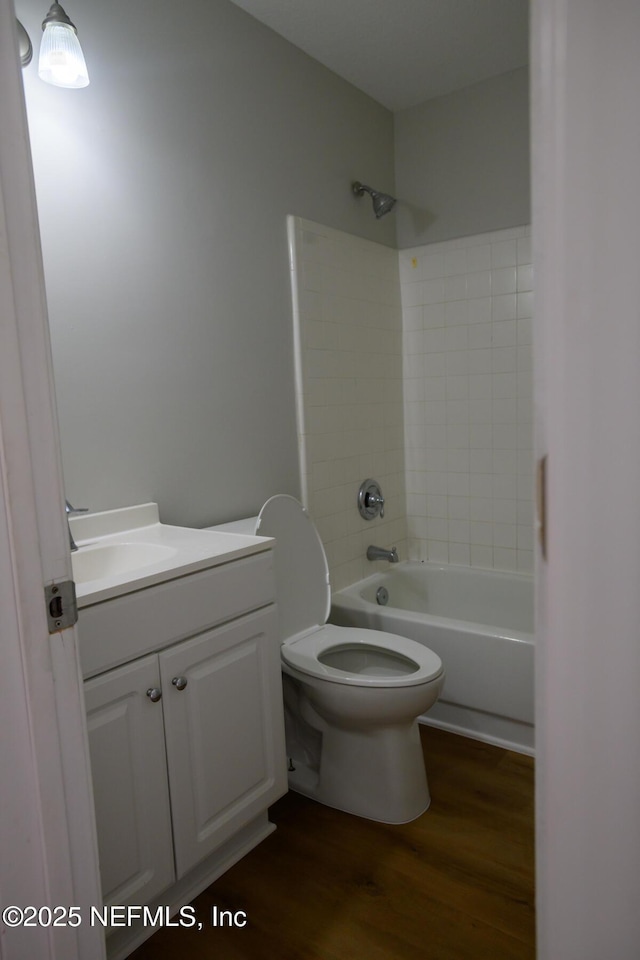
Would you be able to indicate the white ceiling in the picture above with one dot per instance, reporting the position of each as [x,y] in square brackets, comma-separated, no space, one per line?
[402,52]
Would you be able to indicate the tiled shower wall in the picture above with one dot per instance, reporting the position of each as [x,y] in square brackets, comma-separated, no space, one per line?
[453,407]
[348,328]
[467,309]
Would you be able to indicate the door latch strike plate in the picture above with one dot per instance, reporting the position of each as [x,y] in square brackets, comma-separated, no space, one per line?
[61,605]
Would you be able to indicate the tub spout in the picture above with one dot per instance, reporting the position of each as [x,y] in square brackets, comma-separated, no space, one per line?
[379,553]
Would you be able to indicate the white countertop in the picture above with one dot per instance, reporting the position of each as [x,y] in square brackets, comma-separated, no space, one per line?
[129,549]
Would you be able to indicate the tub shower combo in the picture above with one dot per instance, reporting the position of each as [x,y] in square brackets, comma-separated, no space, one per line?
[478,621]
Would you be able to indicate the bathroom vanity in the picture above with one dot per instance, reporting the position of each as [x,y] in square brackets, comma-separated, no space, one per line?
[180,655]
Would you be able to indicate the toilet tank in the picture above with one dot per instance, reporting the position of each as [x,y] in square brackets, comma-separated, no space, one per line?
[246,526]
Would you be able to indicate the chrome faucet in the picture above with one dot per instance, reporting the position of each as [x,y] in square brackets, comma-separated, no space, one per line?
[379,553]
[71,511]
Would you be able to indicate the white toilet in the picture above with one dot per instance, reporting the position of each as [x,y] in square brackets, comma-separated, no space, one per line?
[352,696]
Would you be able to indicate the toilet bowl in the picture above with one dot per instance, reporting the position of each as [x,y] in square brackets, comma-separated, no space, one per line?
[352,696]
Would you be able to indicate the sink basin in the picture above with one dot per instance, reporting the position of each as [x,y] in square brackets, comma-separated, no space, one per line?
[113,559]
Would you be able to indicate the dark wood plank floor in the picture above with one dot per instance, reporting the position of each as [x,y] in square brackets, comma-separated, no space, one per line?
[456,884]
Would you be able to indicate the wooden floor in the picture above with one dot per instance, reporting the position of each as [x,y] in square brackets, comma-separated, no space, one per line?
[456,884]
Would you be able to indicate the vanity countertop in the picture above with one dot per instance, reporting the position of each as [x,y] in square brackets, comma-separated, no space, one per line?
[128,549]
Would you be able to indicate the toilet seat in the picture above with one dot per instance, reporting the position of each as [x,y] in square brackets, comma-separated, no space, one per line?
[411,663]
[304,604]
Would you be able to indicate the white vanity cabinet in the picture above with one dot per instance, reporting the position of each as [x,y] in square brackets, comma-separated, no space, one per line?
[131,792]
[186,739]
[222,734]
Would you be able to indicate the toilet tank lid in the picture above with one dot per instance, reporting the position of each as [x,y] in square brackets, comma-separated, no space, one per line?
[303,593]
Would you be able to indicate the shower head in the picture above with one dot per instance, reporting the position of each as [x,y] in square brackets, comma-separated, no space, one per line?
[382,202]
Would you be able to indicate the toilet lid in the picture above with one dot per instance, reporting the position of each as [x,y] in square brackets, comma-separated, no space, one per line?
[302,572]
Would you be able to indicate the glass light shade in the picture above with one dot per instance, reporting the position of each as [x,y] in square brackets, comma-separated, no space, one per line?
[61,58]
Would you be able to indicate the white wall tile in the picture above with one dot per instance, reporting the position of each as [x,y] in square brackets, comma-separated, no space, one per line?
[524,335]
[480,533]
[455,288]
[480,411]
[456,312]
[457,363]
[412,294]
[458,509]
[481,556]
[478,257]
[504,333]
[480,335]
[480,310]
[455,262]
[504,559]
[481,462]
[480,386]
[457,454]
[504,253]
[503,280]
[432,266]
[437,528]
[524,277]
[523,245]
[504,359]
[479,284]
[524,306]
[477,461]
[437,551]
[480,361]
[433,315]
[457,387]
[481,509]
[432,291]
[504,307]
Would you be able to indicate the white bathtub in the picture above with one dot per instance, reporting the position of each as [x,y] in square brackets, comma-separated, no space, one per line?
[479,622]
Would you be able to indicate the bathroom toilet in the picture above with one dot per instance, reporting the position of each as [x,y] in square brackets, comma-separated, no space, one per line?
[352,696]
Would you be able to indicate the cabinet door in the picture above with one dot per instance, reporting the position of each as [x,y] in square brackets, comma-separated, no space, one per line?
[126,743]
[224,732]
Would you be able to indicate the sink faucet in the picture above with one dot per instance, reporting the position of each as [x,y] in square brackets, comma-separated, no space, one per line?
[379,553]
[71,511]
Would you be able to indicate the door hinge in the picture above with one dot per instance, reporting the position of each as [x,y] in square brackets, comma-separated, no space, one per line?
[60,601]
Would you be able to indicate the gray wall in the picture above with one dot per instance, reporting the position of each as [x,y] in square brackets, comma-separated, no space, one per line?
[462,162]
[163,190]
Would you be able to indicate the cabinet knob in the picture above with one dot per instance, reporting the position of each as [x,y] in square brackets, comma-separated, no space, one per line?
[179,682]
[154,694]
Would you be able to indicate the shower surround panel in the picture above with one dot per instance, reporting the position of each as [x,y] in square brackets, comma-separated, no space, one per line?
[349,394]
[415,368]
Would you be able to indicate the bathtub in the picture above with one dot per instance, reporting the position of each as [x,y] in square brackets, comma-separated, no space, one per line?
[479,622]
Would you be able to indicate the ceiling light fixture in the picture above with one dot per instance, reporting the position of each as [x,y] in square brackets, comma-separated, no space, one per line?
[61,61]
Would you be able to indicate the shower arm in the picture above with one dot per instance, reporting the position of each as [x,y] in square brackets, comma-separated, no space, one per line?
[361,188]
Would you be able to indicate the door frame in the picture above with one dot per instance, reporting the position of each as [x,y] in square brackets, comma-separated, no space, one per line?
[586,255]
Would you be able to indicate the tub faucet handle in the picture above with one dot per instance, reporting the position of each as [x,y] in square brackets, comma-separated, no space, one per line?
[370,500]
[373,500]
